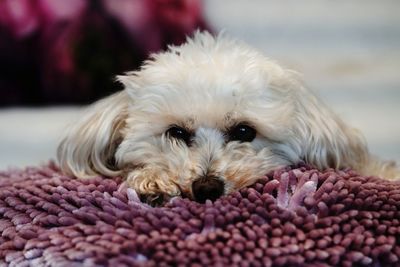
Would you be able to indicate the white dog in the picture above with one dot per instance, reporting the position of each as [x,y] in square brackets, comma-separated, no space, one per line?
[206,118]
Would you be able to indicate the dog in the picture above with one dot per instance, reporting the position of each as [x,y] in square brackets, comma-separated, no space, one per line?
[207,118]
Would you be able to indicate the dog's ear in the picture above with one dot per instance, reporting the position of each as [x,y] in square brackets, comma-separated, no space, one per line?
[323,138]
[90,144]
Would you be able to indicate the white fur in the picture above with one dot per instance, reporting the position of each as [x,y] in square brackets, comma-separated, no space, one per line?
[207,85]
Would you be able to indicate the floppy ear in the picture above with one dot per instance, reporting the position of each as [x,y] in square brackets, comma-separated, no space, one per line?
[89,147]
[323,138]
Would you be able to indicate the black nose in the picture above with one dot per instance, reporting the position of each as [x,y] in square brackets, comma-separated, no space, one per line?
[207,188]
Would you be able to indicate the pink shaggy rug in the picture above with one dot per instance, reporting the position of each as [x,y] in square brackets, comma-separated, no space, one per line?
[292,217]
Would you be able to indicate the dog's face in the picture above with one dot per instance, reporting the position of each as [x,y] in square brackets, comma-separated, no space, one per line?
[205,119]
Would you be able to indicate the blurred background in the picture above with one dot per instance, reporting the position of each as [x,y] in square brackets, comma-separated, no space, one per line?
[56,56]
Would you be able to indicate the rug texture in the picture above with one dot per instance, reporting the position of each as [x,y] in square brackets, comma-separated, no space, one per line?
[293,217]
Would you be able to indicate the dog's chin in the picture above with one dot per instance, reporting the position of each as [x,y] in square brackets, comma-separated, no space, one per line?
[154,200]
[160,199]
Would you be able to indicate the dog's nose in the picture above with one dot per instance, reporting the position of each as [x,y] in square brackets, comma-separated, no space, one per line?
[207,188]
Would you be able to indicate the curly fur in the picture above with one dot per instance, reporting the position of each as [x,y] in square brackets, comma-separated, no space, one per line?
[207,85]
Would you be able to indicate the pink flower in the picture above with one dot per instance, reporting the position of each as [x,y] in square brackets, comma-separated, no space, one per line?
[25,17]
[152,23]
[178,16]
[137,17]
[62,10]
[19,16]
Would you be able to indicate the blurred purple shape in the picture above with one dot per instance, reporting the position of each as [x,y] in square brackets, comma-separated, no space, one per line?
[69,51]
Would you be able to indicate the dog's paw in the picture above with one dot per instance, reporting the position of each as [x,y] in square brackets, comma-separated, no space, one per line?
[154,199]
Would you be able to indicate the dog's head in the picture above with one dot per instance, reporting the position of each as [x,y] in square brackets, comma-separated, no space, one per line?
[204,119]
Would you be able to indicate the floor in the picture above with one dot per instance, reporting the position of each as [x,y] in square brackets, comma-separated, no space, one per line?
[348,52]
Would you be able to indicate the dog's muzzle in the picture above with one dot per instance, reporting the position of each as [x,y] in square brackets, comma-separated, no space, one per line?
[207,188]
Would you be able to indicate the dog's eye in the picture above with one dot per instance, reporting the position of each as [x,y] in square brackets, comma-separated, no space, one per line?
[179,133]
[242,133]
